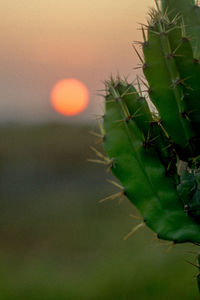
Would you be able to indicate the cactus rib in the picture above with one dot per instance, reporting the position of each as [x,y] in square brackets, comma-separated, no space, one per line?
[166,93]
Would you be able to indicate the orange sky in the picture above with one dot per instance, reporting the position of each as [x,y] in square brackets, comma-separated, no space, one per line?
[43,41]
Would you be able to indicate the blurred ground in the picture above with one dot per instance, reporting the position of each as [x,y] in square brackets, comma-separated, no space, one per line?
[58,242]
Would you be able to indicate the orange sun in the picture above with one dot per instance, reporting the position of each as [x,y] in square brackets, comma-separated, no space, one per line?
[69,97]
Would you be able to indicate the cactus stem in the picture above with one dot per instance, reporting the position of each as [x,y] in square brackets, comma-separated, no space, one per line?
[136,228]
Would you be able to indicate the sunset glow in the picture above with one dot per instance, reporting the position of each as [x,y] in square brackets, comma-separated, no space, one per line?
[69,97]
[45,41]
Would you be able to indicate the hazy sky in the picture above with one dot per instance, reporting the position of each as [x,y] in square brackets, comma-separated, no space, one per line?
[43,41]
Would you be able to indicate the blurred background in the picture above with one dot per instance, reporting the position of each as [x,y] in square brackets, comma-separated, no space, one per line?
[56,240]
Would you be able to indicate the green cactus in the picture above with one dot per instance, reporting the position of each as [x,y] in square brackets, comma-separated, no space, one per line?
[135,151]
[156,155]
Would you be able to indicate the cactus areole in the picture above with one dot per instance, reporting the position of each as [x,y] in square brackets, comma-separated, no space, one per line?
[155,154]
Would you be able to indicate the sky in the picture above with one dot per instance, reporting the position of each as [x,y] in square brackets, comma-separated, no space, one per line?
[44,41]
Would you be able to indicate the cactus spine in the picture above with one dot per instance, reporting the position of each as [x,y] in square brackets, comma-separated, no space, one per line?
[156,155]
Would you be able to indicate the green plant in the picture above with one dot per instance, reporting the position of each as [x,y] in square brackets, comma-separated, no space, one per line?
[155,153]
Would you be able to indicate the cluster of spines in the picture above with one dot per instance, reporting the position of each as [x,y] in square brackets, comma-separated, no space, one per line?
[189,11]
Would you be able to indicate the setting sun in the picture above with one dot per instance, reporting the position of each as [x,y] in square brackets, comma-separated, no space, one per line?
[69,97]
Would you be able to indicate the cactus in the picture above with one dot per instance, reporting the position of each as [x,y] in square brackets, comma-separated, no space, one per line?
[156,154]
